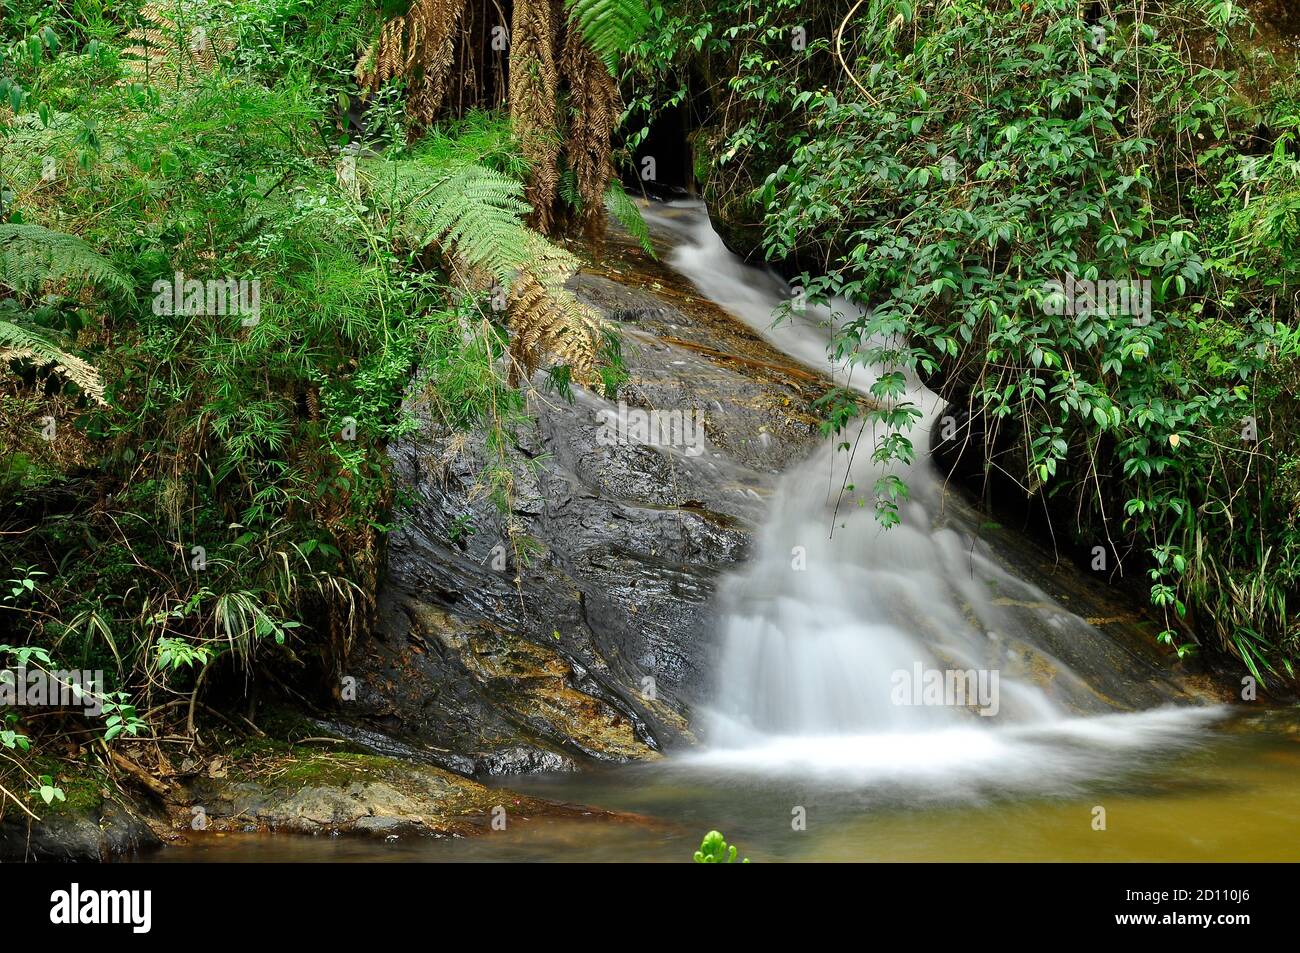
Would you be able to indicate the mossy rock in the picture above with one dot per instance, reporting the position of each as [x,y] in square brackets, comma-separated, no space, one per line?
[90,823]
[311,792]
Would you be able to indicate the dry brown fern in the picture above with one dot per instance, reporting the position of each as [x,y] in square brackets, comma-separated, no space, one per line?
[65,365]
[418,47]
[178,41]
[595,101]
[547,319]
[534,82]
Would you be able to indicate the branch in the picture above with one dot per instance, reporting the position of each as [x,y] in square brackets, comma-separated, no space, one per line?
[839,37]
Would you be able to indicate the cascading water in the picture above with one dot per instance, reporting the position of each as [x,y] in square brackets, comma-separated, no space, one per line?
[832,628]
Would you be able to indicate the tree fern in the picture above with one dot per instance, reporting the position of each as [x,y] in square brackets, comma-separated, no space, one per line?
[611,27]
[419,46]
[472,212]
[545,317]
[534,114]
[176,42]
[626,213]
[594,102]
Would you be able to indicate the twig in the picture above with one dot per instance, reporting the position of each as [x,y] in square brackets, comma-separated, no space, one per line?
[13,797]
[140,774]
[839,37]
[194,697]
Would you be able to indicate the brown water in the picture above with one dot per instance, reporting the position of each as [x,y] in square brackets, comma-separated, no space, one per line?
[1231,794]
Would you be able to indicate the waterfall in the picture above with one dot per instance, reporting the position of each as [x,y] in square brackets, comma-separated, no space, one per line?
[901,647]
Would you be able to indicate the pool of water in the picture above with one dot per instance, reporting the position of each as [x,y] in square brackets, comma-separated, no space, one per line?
[1228,791]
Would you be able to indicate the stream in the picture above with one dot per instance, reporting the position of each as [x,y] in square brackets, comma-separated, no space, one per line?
[823,740]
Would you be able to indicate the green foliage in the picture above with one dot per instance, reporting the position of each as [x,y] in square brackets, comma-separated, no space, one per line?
[479,138]
[31,256]
[13,740]
[624,211]
[228,498]
[117,715]
[956,167]
[611,27]
[476,211]
[737,66]
[715,850]
[46,790]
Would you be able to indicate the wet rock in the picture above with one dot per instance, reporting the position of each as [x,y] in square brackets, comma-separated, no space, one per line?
[310,793]
[1125,668]
[575,625]
[97,832]
[376,742]
[727,190]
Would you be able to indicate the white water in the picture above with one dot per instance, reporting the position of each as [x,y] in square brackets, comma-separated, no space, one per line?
[808,657]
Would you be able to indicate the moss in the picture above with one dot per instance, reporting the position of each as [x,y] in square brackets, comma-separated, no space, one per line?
[333,769]
[249,748]
[83,785]
[83,792]
[282,722]
[283,727]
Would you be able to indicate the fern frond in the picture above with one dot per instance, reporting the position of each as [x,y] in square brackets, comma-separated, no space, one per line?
[475,217]
[177,41]
[534,83]
[31,255]
[628,214]
[418,46]
[594,98]
[569,193]
[19,343]
[470,211]
[611,27]
[548,319]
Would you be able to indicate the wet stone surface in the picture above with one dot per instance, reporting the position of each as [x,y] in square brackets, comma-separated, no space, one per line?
[102,831]
[348,793]
[576,627]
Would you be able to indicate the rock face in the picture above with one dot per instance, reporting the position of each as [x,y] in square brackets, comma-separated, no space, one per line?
[1038,542]
[1088,643]
[727,189]
[576,624]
